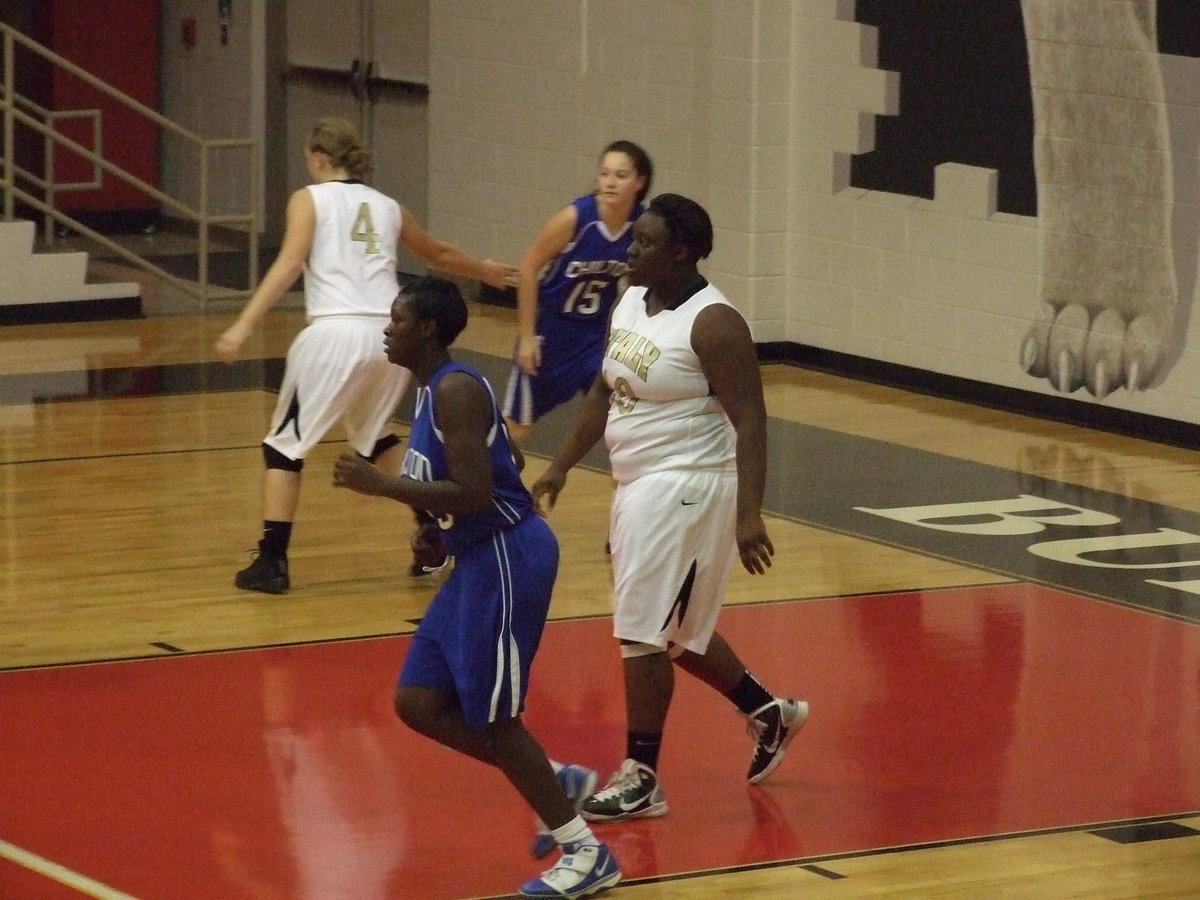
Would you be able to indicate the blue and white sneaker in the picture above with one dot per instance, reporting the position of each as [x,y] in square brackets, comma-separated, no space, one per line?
[578,783]
[582,870]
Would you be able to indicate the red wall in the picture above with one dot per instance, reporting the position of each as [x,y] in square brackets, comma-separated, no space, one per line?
[117,41]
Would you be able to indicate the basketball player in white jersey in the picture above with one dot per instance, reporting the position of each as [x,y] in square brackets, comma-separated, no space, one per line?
[342,235]
[679,402]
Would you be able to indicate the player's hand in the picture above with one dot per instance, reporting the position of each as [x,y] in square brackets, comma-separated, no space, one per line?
[230,343]
[500,275]
[546,489]
[352,471]
[429,552]
[754,546]
[529,353]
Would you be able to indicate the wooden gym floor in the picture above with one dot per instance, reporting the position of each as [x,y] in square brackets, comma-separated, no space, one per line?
[995,619]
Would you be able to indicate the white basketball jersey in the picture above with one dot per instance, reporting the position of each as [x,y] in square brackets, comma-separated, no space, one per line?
[662,414]
[351,267]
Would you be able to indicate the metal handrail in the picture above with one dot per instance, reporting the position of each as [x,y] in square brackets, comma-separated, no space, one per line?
[46,181]
[12,115]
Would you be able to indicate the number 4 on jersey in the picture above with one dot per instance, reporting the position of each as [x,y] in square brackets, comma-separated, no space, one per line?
[364,229]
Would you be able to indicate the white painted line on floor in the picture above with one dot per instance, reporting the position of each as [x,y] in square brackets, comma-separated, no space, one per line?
[61,874]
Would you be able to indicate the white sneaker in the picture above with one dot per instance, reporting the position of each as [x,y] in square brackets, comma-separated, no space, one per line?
[772,728]
[582,870]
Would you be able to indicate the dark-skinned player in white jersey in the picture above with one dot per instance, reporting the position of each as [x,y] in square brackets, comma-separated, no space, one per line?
[679,402]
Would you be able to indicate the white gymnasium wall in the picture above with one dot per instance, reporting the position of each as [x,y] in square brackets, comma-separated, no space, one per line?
[525,93]
[217,91]
[946,284]
[754,107]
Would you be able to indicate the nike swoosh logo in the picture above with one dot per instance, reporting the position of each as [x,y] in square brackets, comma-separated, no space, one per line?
[629,807]
[689,502]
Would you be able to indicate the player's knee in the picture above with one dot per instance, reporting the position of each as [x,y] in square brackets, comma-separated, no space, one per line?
[636,649]
[382,446]
[408,708]
[273,459]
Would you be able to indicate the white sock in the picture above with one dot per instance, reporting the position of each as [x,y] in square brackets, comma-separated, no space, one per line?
[574,832]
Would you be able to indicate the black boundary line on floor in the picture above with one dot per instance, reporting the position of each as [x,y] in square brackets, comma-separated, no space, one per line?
[141,454]
[1146,833]
[66,311]
[809,863]
[179,652]
[149,381]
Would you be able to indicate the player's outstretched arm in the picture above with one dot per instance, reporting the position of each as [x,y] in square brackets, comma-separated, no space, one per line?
[446,257]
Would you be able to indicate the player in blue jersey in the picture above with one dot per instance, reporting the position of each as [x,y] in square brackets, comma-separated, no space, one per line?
[464,681]
[567,286]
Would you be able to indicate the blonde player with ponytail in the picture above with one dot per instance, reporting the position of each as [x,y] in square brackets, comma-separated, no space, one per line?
[342,235]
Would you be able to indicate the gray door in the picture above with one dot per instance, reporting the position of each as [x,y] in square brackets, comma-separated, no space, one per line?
[369,63]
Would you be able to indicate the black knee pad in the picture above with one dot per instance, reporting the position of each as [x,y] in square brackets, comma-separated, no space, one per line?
[382,446]
[273,459]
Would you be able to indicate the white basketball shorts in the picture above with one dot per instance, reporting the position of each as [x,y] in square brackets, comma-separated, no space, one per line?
[336,369]
[663,524]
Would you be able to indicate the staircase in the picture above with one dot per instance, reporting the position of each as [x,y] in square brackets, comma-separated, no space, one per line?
[53,287]
[47,286]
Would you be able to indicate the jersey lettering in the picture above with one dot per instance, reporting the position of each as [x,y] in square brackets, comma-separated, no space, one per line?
[634,352]
[621,345]
[613,267]
[591,292]
[363,229]
[417,466]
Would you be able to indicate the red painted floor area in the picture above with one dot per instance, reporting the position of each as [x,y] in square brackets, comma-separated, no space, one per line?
[282,773]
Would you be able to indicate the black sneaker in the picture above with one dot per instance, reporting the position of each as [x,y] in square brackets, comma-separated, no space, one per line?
[266,573]
[631,793]
[772,728]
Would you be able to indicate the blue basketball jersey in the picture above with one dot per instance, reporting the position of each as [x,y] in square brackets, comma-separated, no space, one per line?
[576,292]
[425,460]
[580,284]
